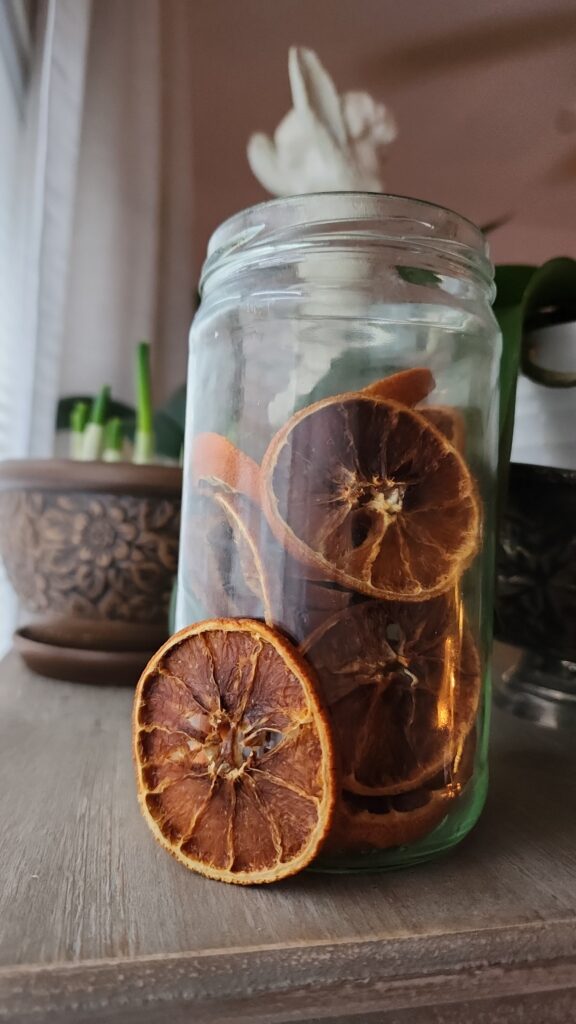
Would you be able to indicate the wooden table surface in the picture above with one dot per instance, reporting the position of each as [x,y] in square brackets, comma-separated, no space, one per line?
[98,923]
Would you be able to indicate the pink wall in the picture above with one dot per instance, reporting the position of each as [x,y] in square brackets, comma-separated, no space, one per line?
[479,92]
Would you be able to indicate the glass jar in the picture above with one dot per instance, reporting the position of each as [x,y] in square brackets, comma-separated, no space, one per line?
[339,482]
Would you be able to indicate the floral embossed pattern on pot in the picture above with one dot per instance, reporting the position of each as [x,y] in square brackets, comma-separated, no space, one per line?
[92,549]
[110,556]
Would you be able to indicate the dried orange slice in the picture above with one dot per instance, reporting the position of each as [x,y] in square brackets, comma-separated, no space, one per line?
[402,683]
[407,386]
[381,822]
[234,566]
[234,756]
[369,493]
[448,421]
[215,460]
[226,574]
[302,605]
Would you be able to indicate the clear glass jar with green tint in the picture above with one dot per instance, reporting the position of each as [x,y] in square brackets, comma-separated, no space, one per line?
[340,468]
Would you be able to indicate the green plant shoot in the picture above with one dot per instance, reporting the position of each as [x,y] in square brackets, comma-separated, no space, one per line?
[144,441]
[93,436]
[78,421]
[113,440]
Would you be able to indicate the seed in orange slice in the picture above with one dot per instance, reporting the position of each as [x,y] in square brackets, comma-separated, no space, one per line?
[449,421]
[215,461]
[402,684]
[367,492]
[233,750]
[408,386]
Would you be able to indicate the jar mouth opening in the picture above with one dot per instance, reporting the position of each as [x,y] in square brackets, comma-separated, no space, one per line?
[314,219]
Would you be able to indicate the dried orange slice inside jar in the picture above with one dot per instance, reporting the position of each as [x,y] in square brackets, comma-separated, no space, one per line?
[366,491]
[227,539]
[239,568]
[402,685]
[368,823]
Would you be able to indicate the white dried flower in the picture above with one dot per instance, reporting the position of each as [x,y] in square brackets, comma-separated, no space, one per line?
[326,143]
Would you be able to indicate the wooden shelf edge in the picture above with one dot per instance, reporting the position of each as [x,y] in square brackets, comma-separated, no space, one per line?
[324,981]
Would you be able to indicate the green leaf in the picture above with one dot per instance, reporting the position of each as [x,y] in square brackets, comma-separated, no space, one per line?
[175,408]
[419,276]
[100,407]
[511,283]
[66,405]
[113,434]
[355,367]
[522,290]
[169,435]
[79,417]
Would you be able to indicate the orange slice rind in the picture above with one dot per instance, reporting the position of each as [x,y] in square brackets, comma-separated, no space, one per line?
[449,421]
[234,755]
[215,461]
[407,386]
[222,562]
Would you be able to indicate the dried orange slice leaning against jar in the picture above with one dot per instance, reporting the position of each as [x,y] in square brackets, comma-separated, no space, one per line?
[234,754]
[367,492]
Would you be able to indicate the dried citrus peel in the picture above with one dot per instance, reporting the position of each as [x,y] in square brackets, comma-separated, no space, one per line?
[225,539]
[408,386]
[233,565]
[215,460]
[234,755]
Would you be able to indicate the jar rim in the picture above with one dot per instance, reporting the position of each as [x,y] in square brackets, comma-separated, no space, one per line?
[373,216]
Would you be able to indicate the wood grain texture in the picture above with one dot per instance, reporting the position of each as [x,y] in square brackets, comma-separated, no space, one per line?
[97,923]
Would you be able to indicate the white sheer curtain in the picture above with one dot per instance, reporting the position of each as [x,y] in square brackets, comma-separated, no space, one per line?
[40,142]
[44,150]
[131,273]
[95,223]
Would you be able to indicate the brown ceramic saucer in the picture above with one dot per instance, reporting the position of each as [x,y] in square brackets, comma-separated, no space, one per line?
[48,651]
